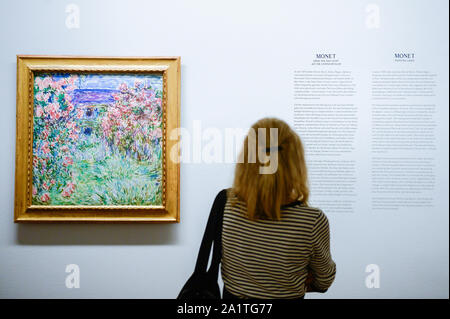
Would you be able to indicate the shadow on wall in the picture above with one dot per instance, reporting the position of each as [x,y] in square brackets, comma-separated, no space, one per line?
[97,234]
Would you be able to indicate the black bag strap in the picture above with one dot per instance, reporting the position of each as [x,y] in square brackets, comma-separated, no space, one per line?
[213,233]
[217,250]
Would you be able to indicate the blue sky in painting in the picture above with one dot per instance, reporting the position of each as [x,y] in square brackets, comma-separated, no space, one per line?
[112,81]
[97,88]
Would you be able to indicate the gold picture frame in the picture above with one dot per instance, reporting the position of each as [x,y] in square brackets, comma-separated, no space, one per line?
[32,68]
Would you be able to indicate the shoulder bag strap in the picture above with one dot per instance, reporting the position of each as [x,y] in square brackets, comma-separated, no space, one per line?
[210,234]
[217,251]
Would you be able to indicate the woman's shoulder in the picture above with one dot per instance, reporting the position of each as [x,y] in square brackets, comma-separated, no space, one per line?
[304,210]
[231,195]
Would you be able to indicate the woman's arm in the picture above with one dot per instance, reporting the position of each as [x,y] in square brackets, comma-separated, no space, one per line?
[322,269]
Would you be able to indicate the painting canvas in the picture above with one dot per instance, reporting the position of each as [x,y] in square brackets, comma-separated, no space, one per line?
[97,139]
[93,142]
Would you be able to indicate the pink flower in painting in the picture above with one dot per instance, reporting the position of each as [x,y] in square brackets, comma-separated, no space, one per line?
[157,133]
[39,111]
[34,190]
[124,108]
[45,134]
[70,87]
[45,186]
[53,110]
[45,197]
[80,113]
[70,106]
[68,190]
[54,115]
[123,87]
[64,148]
[38,82]
[63,82]
[71,125]
[55,85]
[155,122]
[106,126]
[73,136]
[115,113]
[42,96]
[52,181]
[67,161]
[71,80]
[140,98]
[45,148]
[71,186]
[42,83]
[48,107]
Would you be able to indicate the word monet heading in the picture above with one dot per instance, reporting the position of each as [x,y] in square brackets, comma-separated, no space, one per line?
[325,55]
[404,55]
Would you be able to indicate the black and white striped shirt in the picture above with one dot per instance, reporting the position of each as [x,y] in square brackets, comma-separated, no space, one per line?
[270,259]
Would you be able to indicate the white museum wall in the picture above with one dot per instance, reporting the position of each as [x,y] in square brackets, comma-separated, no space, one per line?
[237,59]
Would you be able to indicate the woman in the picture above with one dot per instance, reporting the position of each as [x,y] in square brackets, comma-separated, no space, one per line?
[273,244]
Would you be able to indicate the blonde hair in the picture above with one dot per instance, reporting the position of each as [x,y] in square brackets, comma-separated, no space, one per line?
[264,194]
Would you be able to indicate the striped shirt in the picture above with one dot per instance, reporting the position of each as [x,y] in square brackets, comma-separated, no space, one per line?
[270,259]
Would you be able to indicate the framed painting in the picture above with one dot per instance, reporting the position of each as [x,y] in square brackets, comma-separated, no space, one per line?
[92,139]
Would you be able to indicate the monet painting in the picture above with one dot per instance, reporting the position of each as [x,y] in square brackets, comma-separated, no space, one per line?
[97,139]
[96,148]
